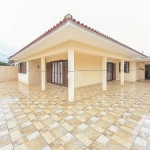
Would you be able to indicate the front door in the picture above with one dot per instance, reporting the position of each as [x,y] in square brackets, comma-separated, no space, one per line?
[111,71]
[57,72]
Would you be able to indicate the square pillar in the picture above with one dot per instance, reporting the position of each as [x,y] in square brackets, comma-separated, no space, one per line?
[122,72]
[43,73]
[71,75]
[104,73]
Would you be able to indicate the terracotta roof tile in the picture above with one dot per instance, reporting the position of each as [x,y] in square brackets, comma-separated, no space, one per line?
[68,17]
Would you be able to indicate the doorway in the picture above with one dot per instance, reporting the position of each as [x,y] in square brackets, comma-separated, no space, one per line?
[111,71]
[57,72]
[147,72]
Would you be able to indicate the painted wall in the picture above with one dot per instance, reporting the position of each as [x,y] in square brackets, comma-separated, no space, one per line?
[137,71]
[141,71]
[24,78]
[8,73]
[87,69]
[86,58]
[133,74]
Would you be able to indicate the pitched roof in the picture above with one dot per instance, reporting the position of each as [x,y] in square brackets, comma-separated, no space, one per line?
[69,17]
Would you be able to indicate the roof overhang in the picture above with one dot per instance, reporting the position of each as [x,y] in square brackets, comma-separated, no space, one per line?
[71,31]
[145,60]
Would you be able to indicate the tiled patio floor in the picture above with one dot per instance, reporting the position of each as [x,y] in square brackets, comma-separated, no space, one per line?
[118,119]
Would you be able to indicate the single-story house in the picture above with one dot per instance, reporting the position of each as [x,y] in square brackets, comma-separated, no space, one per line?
[72,54]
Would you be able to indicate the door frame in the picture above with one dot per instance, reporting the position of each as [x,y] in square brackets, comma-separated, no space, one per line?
[64,72]
[113,73]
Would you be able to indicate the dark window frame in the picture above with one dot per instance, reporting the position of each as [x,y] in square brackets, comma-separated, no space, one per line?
[22,67]
[126,67]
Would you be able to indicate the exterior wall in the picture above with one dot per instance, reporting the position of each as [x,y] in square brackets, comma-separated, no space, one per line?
[86,58]
[24,78]
[87,69]
[132,76]
[34,71]
[141,71]
[8,73]
[137,71]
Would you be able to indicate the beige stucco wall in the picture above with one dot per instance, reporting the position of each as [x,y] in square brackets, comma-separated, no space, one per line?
[133,74]
[24,78]
[87,69]
[8,73]
[86,58]
[141,71]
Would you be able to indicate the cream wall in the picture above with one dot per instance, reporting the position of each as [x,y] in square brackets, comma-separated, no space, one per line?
[137,71]
[87,69]
[86,58]
[24,78]
[133,72]
[141,71]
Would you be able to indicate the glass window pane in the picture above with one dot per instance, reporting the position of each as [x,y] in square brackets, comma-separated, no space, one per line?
[53,77]
[53,67]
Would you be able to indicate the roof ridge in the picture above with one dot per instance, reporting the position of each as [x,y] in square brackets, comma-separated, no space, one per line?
[69,17]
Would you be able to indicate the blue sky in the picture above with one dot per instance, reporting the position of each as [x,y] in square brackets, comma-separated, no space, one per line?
[124,20]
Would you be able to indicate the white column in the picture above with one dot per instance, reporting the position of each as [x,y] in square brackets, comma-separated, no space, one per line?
[104,73]
[71,75]
[43,73]
[122,72]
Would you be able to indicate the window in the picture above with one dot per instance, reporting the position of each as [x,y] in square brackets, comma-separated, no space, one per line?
[126,67]
[22,67]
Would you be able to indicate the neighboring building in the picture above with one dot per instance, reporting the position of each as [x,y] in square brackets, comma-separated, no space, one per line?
[72,54]
[13,63]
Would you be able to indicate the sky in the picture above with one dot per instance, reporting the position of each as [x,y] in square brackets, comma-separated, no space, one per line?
[21,21]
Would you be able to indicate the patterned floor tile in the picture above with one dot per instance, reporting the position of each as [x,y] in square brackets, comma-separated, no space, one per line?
[67,142]
[85,134]
[120,136]
[104,143]
[117,119]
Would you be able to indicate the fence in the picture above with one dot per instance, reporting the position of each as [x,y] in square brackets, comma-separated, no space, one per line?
[8,73]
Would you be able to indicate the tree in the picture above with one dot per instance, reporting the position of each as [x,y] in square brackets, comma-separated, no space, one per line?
[4,64]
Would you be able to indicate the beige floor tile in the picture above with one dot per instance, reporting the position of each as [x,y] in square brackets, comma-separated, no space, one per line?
[117,119]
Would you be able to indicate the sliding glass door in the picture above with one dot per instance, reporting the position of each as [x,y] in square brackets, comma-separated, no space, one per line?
[57,72]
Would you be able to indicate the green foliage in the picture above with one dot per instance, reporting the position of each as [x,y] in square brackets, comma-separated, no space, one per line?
[4,64]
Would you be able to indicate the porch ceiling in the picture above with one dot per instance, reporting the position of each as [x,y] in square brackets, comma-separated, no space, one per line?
[70,31]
